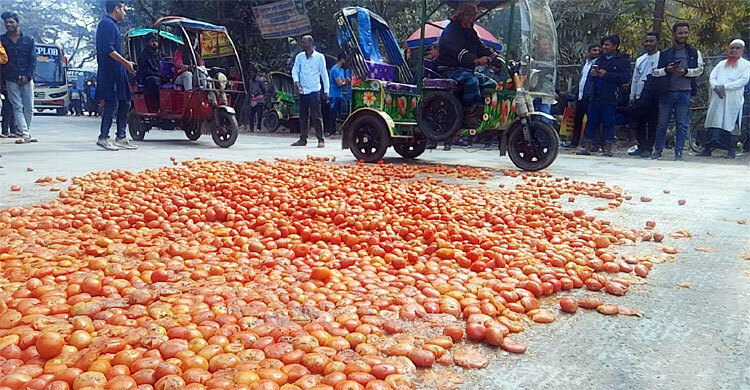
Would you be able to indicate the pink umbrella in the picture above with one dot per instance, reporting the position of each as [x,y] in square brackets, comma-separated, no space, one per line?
[432,33]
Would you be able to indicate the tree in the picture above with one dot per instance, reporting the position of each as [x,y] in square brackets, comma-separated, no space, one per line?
[70,23]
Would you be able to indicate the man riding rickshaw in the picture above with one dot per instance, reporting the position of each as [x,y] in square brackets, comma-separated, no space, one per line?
[461,51]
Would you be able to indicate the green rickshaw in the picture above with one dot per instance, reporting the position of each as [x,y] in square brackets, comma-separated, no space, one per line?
[284,108]
[391,106]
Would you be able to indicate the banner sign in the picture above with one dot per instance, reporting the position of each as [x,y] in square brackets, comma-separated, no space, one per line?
[215,44]
[280,20]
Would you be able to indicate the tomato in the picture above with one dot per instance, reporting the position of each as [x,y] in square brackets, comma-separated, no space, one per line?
[568,305]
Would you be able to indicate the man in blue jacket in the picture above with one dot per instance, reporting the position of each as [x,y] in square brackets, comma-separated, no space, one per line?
[609,72]
[112,77]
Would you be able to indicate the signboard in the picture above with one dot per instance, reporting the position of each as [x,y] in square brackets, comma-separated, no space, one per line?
[48,51]
[281,19]
[568,122]
[215,44]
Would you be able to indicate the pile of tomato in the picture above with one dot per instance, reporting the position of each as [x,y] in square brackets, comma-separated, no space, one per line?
[288,274]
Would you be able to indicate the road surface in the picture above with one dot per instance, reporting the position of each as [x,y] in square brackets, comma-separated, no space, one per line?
[695,332]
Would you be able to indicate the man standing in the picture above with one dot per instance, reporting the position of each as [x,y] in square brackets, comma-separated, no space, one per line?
[677,75]
[608,73]
[582,102]
[643,99]
[18,74]
[148,72]
[338,81]
[728,80]
[257,90]
[112,78]
[76,106]
[308,70]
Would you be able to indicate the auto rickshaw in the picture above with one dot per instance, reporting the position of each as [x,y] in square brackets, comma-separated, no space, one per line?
[284,108]
[391,107]
[207,108]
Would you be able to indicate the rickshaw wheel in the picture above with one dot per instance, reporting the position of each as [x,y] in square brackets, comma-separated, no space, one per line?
[369,138]
[411,150]
[193,132]
[439,115]
[271,121]
[537,154]
[225,134]
[135,126]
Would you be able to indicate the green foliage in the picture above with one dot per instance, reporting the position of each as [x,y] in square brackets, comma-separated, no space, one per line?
[71,23]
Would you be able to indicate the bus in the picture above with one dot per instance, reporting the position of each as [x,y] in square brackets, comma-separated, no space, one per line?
[80,77]
[50,79]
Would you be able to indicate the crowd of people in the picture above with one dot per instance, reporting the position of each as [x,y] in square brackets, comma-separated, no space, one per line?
[661,86]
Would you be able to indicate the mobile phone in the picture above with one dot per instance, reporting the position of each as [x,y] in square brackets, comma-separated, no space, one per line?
[596,67]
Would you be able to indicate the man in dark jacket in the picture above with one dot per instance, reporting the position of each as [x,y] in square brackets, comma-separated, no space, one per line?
[461,51]
[18,74]
[148,71]
[609,72]
[676,83]
[112,77]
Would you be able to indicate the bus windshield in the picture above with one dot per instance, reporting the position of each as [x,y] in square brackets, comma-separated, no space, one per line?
[50,70]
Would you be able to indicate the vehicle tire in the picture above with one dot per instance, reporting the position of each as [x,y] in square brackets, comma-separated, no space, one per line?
[271,121]
[368,138]
[439,115]
[192,128]
[61,111]
[411,150]
[135,126]
[225,134]
[540,153]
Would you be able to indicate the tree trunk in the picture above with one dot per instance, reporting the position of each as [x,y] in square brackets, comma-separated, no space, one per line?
[658,15]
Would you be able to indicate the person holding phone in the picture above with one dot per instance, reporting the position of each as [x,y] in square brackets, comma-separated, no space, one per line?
[677,82]
[608,73]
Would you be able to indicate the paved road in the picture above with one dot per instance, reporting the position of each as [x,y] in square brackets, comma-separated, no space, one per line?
[689,338]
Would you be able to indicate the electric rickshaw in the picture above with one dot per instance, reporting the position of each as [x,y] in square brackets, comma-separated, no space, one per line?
[284,108]
[206,109]
[391,106]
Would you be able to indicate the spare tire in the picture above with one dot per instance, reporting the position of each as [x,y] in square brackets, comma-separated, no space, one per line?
[439,115]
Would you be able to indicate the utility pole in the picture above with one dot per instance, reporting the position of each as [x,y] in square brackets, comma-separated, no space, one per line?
[658,15]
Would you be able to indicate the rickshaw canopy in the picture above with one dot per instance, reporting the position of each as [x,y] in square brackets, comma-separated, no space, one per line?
[362,45]
[164,34]
[188,24]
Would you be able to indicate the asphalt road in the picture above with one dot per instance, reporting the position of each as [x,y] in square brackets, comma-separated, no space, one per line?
[695,331]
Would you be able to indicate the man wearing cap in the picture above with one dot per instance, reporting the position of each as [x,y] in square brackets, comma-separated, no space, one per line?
[727,81]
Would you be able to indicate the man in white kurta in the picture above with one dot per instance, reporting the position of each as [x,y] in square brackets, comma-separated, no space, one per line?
[727,80]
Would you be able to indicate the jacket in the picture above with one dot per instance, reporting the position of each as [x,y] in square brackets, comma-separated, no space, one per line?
[148,64]
[460,46]
[577,85]
[607,89]
[112,77]
[695,69]
[21,57]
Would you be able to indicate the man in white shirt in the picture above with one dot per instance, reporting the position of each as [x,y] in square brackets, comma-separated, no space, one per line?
[643,98]
[308,71]
[724,117]
[582,103]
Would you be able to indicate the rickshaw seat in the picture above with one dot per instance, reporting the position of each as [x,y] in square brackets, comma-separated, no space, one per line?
[380,71]
[166,70]
[441,83]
